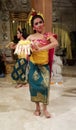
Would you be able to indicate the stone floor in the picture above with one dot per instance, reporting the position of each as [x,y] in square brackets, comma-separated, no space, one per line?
[16,109]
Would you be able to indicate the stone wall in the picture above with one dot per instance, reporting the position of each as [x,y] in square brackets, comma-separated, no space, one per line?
[4,32]
[64,13]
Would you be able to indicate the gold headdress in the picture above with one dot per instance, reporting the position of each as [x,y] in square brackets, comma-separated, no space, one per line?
[33,13]
[19,27]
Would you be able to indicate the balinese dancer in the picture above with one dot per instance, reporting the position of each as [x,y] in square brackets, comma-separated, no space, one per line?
[19,72]
[39,70]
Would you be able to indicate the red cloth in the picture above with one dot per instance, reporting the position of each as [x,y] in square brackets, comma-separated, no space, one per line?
[51,54]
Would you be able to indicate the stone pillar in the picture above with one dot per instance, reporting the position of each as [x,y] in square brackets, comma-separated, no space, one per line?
[45,7]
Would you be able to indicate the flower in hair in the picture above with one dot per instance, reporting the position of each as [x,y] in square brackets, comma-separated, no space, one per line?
[33,12]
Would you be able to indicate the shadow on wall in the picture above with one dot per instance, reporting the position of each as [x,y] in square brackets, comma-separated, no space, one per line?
[73,43]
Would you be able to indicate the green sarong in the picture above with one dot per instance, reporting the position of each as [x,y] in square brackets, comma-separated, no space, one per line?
[19,71]
[39,82]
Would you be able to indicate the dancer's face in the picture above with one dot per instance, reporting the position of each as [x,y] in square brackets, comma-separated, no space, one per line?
[19,35]
[38,25]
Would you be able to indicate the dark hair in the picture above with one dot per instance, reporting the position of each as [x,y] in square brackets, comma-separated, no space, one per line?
[15,40]
[34,17]
[23,31]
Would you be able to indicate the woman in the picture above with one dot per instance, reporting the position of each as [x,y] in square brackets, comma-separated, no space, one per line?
[18,73]
[39,72]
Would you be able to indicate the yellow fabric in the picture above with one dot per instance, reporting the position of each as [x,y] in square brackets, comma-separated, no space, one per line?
[23,42]
[21,56]
[39,57]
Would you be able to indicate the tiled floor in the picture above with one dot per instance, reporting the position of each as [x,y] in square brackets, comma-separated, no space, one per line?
[16,109]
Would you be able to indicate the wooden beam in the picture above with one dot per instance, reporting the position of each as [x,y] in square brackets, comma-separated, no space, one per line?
[45,7]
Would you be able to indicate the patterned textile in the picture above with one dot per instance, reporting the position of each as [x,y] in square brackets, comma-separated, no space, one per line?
[19,71]
[39,82]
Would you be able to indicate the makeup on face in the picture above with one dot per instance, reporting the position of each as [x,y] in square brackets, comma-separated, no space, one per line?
[40,22]
[38,25]
[37,22]
[19,34]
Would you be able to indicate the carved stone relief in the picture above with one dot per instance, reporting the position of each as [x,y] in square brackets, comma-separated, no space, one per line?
[15,5]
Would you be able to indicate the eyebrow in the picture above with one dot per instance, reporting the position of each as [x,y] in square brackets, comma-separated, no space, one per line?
[38,22]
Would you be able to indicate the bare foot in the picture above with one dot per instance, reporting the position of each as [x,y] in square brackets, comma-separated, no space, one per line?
[19,86]
[47,114]
[25,85]
[37,113]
